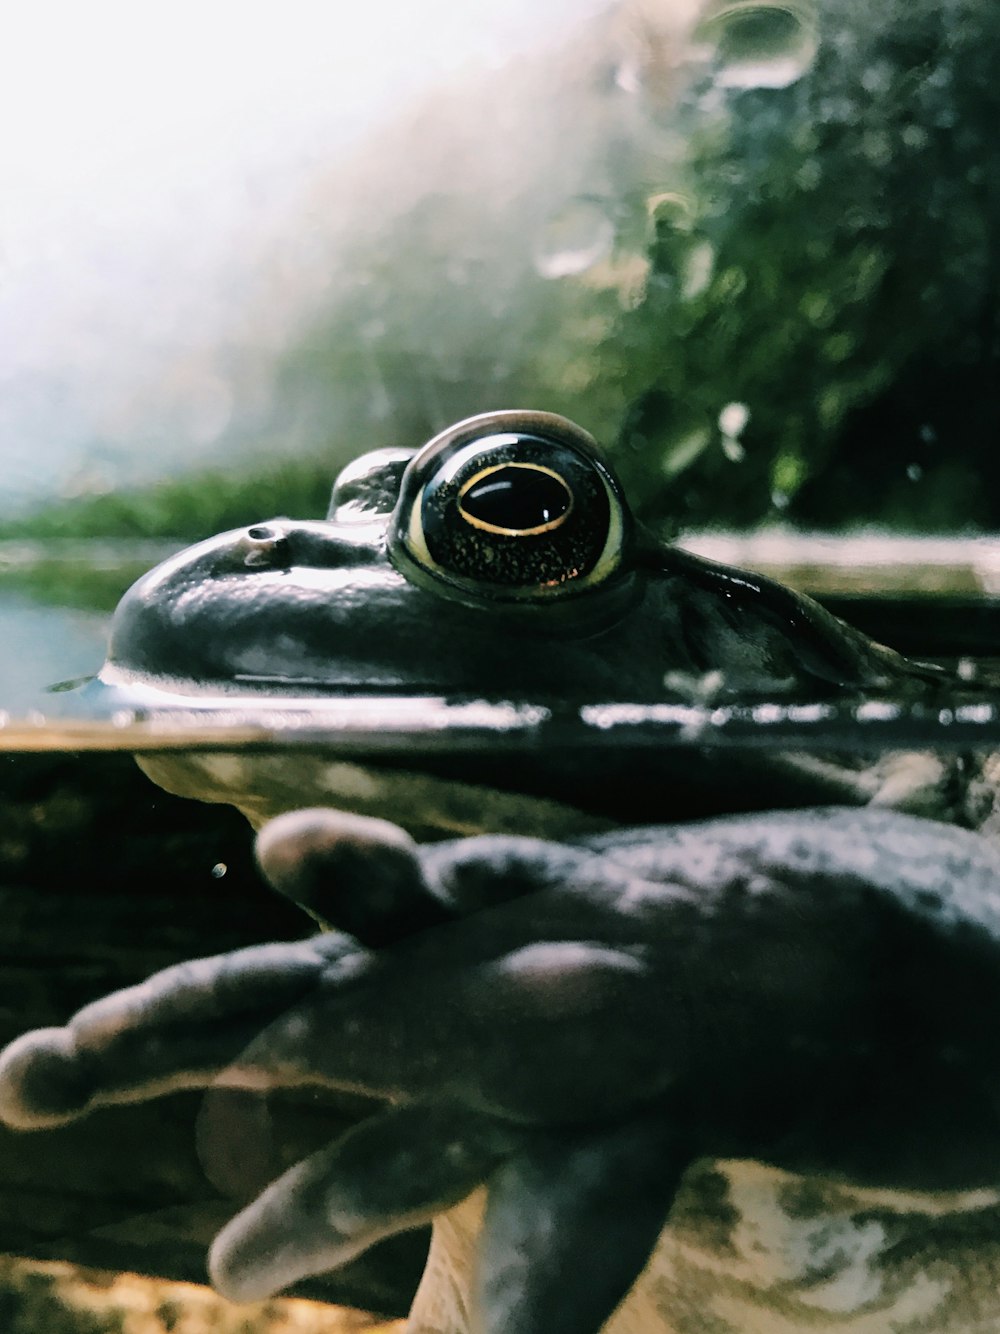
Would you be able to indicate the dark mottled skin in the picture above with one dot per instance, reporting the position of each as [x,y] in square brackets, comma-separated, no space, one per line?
[818,990]
[311,606]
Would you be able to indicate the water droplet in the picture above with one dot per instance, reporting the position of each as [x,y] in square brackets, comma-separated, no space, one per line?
[699,264]
[914,472]
[733,419]
[818,309]
[628,77]
[877,147]
[682,451]
[670,210]
[574,239]
[760,43]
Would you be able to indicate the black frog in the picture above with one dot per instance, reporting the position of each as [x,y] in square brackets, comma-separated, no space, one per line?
[570,1047]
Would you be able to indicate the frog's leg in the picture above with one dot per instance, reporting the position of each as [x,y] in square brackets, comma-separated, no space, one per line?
[328,1012]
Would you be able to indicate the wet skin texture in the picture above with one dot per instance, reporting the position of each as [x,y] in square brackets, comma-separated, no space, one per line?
[818,990]
[500,562]
[500,558]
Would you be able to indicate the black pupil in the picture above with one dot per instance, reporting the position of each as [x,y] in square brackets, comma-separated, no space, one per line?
[517,498]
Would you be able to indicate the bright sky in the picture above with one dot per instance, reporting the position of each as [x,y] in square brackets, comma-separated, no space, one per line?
[119,94]
[133,137]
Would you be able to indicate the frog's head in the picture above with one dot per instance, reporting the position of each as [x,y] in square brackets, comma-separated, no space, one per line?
[500,557]
[499,563]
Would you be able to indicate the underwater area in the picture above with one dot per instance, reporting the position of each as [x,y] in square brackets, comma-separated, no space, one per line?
[750,247]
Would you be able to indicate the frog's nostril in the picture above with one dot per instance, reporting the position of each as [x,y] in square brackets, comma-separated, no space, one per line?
[265,546]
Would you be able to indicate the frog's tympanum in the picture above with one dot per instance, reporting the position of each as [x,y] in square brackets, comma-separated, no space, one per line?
[499,562]
[579,1027]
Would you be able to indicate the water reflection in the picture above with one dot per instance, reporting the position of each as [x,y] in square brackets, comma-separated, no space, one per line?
[41,646]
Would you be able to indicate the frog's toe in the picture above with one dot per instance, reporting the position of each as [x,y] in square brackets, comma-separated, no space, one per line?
[354,872]
[394,1171]
[42,1083]
[570,1223]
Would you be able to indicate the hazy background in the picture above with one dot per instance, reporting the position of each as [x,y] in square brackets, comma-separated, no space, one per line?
[158,242]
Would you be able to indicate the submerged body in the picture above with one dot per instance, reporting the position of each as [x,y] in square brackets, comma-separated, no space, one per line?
[818,991]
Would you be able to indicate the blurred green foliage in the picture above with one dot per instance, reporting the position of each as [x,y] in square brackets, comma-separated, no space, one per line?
[852,221]
[184,508]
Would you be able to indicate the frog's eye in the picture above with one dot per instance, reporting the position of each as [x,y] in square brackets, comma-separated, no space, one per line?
[511,506]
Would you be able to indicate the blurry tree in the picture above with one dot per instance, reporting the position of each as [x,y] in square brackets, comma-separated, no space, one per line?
[850,222]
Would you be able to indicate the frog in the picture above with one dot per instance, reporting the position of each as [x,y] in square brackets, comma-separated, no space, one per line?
[810,996]
[499,565]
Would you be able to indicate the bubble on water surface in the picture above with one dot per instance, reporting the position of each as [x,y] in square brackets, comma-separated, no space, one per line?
[574,239]
[757,44]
